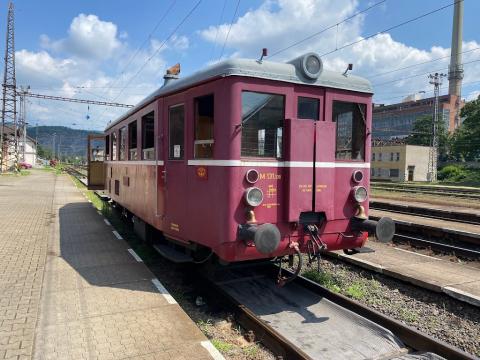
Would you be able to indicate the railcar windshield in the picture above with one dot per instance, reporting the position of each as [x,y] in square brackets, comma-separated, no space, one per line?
[351,124]
[262,124]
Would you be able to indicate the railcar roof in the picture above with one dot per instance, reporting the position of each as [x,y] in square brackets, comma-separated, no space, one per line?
[253,68]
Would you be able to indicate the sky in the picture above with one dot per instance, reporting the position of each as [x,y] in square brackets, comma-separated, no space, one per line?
[118,51]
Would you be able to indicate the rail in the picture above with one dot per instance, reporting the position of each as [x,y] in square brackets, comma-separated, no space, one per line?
[440,214]
[284,348]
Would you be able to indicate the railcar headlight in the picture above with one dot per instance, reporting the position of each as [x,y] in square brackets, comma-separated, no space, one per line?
[252,176]
[359,193]
[253,196]
[312,65]
[357,176]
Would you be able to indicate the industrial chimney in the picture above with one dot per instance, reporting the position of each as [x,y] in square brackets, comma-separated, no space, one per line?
[455,71]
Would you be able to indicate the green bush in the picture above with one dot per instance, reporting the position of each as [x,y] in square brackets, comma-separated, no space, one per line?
[452,173]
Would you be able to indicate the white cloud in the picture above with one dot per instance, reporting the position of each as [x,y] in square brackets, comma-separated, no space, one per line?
[93,62]
[277,24]
[474,95]
[88,37]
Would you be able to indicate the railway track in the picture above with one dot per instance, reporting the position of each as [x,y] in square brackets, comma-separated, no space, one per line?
[466,193]
[406,338]
[439,238]
[457,216]
[257,304]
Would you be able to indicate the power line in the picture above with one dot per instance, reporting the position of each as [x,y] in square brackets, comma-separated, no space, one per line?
[218,28]
[326,29]
[391,28]
[418,64]
[134,55]
[230,28]
[426,90]
[425,73]
[159,48]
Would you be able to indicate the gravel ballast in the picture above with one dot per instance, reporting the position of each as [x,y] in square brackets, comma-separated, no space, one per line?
[438,315]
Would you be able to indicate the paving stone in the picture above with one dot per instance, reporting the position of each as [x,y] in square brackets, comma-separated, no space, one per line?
[69,289]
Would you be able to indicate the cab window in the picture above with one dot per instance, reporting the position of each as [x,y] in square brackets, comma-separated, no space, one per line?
[262,124]
[203,143]
[350,119]
[308,108]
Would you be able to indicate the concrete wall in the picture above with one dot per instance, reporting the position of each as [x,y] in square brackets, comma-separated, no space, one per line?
[417,156]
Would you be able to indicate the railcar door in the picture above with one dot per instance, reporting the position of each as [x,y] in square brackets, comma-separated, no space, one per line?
[96,162]
[175,171]
[301,140]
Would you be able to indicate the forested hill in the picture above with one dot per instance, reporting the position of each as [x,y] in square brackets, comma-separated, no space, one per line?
[68,142]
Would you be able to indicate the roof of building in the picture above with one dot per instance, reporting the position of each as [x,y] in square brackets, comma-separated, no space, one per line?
[257,69]
[410,104]
[9,129]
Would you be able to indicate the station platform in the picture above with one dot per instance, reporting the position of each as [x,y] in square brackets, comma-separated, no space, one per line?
[71,288]
[460,281]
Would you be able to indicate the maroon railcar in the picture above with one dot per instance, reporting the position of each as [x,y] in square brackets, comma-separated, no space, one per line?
[247,159]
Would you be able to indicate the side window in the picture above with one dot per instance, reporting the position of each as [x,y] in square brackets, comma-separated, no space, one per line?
[203,143]
[132,141]
[148,136]
[262,124]
[373,156]
[350,137]
[114,145]
[176,127]
[107,147]
[308,108]
[122,143]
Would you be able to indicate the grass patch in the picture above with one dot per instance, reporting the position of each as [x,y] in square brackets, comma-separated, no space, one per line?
[324,279]
[251,351]
[222,346]
[356,291]
[407,315]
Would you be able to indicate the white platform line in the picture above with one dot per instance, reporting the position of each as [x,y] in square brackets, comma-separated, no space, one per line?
[99,213]
[212,350]
[163,291]
[108,223]
[134,254]
[414,253]
[117,235]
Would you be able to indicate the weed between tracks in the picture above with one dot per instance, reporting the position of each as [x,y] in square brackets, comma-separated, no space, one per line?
[224,333]
[436,314]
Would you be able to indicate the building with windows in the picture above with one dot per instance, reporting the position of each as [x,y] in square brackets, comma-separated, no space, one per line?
[397,120]
[399,162]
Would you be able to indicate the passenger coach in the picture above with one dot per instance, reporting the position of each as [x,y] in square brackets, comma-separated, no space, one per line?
[246,159]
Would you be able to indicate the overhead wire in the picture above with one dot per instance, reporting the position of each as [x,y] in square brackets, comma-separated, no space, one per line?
[159,47]
[418,64]
[229,29]
[137,51]
[391,28]
[218,29]
[326,29]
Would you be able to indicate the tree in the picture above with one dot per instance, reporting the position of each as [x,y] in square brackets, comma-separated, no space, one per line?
[466,139]
[422,134]
[44,153]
